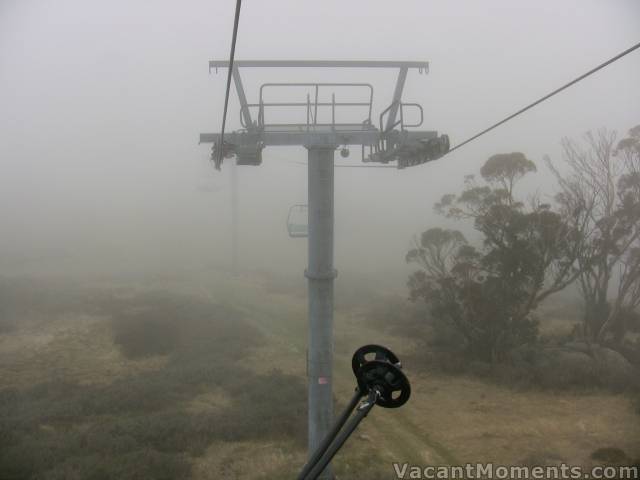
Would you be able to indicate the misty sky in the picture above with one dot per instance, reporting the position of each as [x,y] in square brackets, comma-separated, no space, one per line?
[101,105]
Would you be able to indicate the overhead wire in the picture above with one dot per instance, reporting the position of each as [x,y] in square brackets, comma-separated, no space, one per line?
[524,109]
[546,97]
[220,152]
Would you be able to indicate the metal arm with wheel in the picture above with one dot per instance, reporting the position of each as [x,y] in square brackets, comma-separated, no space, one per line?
[380,382]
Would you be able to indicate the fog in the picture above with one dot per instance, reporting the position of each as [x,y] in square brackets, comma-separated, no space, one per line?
[102,104]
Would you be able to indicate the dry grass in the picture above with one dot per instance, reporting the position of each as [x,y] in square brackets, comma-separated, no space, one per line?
[448,419]
[491,423]
[460,419]
[91,387]
[248,460]
[76,347]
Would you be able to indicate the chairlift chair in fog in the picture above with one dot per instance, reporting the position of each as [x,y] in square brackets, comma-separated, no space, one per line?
[297,221]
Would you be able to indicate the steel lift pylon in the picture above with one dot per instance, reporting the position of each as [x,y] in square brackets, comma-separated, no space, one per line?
[391,139]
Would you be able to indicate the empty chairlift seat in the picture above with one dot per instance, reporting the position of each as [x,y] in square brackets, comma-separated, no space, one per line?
[297,221]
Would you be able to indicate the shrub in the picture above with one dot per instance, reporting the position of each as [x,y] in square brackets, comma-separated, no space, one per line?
[160,323]
[610,455]
[140,426]
[146,333]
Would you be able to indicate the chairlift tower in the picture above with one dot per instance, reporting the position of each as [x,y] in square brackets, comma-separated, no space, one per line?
[234,219]
[392,139]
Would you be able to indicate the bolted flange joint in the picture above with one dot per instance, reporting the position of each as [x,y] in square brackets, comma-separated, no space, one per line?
[321,275]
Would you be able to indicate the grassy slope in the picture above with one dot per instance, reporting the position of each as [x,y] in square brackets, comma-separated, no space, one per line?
[449,420]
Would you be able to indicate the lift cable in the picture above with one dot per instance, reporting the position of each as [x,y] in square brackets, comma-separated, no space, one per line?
[558,90]
[220,152]
[540,100]
[531,105]
[470,139]
[364,166]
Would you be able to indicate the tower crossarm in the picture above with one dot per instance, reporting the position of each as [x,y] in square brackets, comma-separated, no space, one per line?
[392,141]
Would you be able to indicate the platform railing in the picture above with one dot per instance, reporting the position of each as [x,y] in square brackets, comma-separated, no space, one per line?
[383,142]
[311,105]
[400,120]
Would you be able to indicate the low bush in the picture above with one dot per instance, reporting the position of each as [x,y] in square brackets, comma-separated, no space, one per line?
[141,426]
[136,465]
[160,323]
[610,456]
[44,431]
[146,333]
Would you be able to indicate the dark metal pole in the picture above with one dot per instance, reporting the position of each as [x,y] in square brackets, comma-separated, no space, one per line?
[320,275]
[363,411]
[313,459]
[234,217]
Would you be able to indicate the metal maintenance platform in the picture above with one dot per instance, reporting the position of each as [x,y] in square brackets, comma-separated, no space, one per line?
[320,122]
